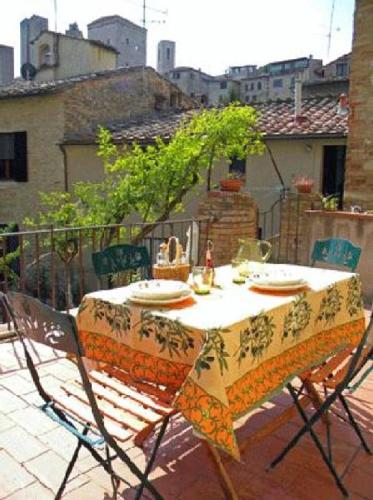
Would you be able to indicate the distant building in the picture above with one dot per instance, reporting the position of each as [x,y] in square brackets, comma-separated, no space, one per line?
[193,82]
[128,38]
[339,68]
[239,72]
[6,64]
[166,56]
[39,122]
[59,56]
[276,80]
[222,90]
[31,29]
[74,31]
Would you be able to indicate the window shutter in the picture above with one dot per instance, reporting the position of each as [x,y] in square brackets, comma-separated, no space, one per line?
[20,162]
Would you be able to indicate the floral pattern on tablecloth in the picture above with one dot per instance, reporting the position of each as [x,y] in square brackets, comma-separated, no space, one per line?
[224,372]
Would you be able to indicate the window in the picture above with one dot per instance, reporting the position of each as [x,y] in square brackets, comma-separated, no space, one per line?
[13,157]
[168,53]
[277,83]
[176,75]
[301,64]
[246,87]
[223,85]
[127,41]
[341,69]
[237,166]
[259,85]
[254,97]
[252,86]
[192,76]
[247,98]
[44,55]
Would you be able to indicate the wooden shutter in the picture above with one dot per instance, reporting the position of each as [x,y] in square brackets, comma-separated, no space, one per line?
[20,162]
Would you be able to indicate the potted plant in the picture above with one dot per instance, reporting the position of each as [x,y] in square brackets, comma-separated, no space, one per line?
[330,202]
[303,183]
[233,182]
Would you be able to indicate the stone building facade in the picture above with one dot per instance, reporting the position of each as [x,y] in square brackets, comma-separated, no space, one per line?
[6,64]
[42,114]
[359,168]
[128,38]
[59,56]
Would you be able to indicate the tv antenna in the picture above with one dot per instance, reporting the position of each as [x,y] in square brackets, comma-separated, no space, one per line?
[146,7]
[329,35]
[55,15]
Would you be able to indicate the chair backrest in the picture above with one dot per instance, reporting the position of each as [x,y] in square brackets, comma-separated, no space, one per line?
[119,258]
[39,322]
[336,251]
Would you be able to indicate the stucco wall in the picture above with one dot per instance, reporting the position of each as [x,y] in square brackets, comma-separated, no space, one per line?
[292,157]
[72,56]
[42,119]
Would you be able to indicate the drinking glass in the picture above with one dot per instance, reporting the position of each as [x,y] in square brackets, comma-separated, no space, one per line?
[202,279]
[237,276]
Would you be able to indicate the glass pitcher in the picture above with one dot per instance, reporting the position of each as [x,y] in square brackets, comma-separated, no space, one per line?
[252,251]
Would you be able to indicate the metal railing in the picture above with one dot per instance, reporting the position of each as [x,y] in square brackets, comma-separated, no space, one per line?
[54,264]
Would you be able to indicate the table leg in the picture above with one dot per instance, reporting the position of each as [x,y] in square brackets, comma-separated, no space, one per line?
[224,478]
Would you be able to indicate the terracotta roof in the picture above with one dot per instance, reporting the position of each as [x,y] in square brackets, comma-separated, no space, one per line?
[276,120]
[23,88]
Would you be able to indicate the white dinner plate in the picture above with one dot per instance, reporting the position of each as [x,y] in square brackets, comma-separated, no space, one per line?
[158,289]
[159,302]
[279,288]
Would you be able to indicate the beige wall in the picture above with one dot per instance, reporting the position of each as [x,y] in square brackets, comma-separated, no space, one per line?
[71,57]
[292,157]
[42,119]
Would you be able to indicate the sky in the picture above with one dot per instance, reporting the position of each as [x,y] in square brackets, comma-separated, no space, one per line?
[209,34]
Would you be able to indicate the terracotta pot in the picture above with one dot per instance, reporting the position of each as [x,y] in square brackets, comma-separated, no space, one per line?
[304,188]
[233,185]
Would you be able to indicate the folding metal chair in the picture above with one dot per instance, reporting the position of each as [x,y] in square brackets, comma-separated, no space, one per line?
[338,381]
[102,409]
[336,251]
[117,260]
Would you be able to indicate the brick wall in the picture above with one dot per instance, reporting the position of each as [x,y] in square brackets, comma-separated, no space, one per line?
[359,168]
[293,238]
[126,95]
[234,216]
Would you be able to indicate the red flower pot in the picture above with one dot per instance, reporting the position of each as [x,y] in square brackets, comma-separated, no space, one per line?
[233,185]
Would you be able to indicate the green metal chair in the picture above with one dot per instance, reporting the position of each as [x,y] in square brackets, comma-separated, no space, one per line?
[336,251]
[99,409]
[125,259]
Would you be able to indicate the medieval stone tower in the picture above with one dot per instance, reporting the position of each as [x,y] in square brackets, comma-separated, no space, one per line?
[30,29]
[6,65]
[128,38]
[166,56]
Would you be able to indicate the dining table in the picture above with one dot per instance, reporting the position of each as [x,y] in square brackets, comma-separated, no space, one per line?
[226,353]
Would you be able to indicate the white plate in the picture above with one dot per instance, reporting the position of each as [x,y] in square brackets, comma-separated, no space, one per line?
[278,279]
[279,288]
[158,289]
[159,302]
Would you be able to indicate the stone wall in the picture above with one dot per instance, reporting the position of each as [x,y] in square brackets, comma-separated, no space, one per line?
[359,168]
[234,216]
[126,95]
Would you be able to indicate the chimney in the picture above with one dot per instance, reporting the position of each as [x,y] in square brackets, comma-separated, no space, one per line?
[298,100]
[342,108]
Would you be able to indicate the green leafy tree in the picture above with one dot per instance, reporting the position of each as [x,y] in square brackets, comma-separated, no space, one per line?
[153,180]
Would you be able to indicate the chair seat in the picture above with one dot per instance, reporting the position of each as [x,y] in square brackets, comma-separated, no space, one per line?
[129,411]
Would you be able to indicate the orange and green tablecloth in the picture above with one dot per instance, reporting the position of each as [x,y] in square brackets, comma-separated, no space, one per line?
[227,352]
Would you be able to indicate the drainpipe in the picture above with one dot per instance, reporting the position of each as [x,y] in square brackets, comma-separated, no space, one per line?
[65,169]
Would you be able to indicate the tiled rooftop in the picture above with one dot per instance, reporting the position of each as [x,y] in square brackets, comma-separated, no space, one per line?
[276,120]
[34,452]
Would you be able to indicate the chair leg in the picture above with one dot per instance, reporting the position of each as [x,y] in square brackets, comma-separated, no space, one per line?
[224,479]
[114,480]
[328,431]
[149,465]
[317,442]
[316,399]
[70,466]
[355,425]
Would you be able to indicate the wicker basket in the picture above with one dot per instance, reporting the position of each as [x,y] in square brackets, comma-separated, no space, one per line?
[180,272]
